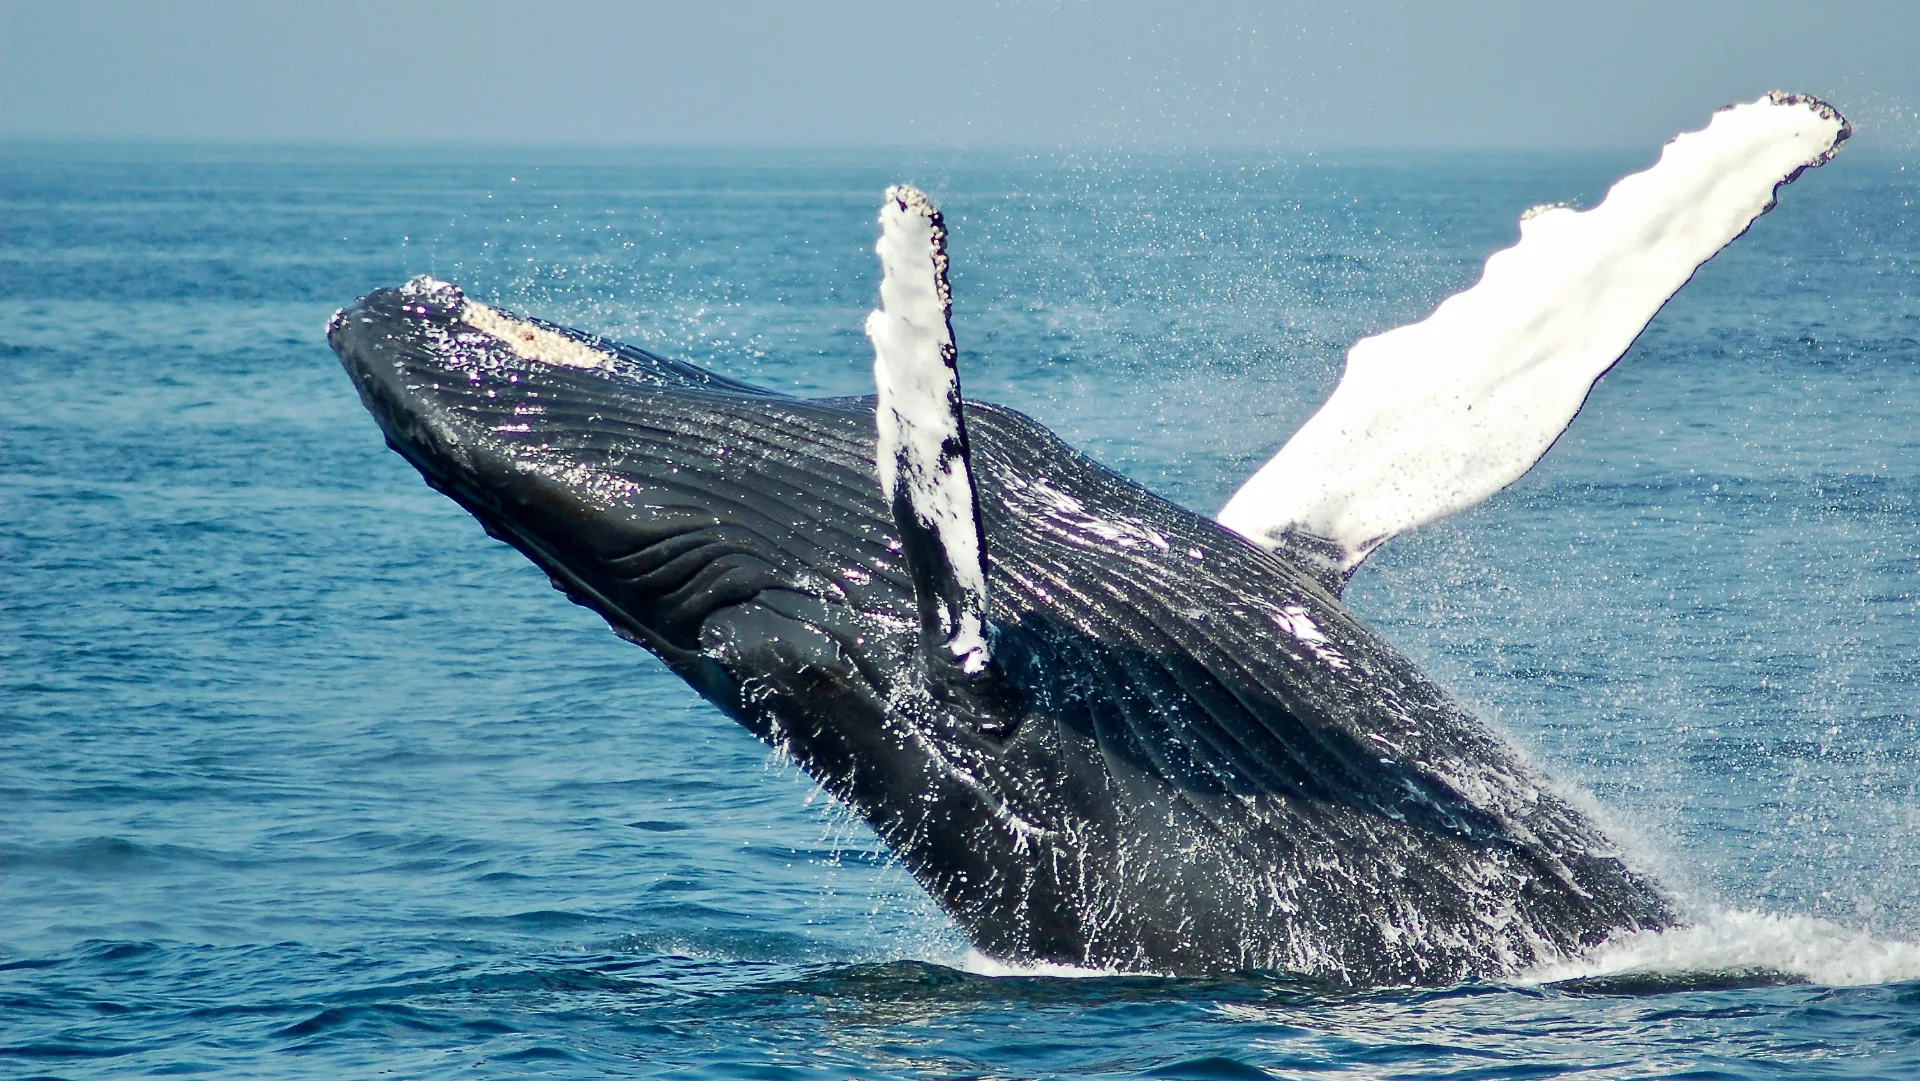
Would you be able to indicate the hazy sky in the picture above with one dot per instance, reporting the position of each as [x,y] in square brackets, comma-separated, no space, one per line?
[1040,73]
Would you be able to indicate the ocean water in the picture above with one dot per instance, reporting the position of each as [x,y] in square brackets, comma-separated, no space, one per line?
[301,775]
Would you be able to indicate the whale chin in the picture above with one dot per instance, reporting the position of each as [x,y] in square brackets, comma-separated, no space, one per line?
[1185,754]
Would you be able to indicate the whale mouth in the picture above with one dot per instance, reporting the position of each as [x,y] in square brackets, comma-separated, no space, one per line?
[449,378]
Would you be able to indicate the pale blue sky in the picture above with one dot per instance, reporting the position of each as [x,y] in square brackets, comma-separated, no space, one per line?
[1380,73]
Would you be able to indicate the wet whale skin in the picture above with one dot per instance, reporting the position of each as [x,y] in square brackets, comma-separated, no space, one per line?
[1193,758]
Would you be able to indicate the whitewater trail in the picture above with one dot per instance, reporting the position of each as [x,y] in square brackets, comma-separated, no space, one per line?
[1746,941]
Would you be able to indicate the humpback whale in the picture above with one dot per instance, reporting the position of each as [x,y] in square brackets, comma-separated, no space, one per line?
[1101,729]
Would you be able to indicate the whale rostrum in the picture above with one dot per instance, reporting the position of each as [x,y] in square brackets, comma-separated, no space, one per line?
[1100,729]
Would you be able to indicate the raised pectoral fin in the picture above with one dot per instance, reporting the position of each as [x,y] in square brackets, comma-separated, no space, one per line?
[1434,417]
[925,466]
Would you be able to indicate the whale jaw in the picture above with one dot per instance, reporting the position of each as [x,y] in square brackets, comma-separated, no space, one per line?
[1194,760]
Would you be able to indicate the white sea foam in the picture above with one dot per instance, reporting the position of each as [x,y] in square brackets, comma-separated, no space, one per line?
[1817,950]
[979,964]
[1732,941]
[1432,418]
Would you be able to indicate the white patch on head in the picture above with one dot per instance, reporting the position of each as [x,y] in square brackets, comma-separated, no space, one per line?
[1434,417]
[531,341]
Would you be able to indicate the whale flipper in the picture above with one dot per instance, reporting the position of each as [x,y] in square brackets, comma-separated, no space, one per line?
[1432,418]
[925,464]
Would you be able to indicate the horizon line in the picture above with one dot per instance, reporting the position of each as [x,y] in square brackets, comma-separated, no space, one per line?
[1145,147]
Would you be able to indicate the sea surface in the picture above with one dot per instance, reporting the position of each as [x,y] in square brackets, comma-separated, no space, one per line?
[303,776]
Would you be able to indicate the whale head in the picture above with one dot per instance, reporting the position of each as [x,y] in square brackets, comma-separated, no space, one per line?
[666,498]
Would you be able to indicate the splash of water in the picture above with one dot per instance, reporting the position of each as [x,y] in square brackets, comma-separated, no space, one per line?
[979,964]
[1743,940]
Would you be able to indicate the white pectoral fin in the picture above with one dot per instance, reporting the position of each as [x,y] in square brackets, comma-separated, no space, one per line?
[1432,418]
[925,466]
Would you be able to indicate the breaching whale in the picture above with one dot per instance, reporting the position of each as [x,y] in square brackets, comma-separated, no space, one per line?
[1099,728]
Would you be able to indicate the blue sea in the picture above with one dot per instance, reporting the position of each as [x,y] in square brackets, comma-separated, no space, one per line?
[303,776]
